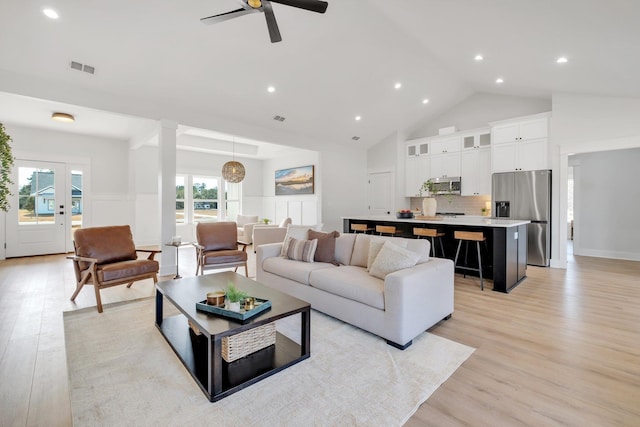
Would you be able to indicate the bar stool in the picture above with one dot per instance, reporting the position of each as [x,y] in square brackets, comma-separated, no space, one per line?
[364,228]
[469,236]
[386,229]
[434,234]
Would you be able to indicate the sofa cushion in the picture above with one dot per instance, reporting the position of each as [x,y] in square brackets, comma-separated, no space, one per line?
[376,243]
[293,270]
[360,250]
[392,258]
[302,250]
[352,283]
[360,254]
[326,250]
[344,248]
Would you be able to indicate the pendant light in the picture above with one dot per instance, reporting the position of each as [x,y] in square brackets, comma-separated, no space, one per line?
[233,171]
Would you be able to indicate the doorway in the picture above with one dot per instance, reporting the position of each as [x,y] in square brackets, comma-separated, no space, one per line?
[46,205]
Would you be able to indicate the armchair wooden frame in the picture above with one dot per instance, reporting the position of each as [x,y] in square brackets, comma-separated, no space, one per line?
[90,275]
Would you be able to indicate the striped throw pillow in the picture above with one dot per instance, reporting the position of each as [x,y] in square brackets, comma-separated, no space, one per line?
[302,250]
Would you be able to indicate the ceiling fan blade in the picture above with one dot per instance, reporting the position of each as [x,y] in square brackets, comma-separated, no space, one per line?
[227,15]
[272,25]
[312,5]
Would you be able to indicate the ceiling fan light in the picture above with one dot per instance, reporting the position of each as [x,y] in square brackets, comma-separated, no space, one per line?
[255,3]
[63,117]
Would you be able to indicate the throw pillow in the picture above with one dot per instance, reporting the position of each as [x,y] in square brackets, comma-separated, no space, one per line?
[302,250]
[326,250]
[392,258]
[376,244]
[300,232]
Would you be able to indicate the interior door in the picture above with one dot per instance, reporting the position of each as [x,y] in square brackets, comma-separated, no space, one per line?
[36,222]
[380,193]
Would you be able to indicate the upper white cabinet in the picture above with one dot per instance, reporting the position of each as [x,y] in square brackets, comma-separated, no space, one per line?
[520,144]
[476,172]
[520,130]
[417,147]
[479,139]
[445,165]
[416,165]
[445,145]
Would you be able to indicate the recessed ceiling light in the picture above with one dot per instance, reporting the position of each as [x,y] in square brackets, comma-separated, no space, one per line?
[50,13]
[478,57]
[63,117]
[499,80]
[562,60]
[358,118]
[397,85]
[425,101]
[271,89]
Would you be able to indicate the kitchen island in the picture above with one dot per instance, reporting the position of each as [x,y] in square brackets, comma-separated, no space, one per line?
[505,259]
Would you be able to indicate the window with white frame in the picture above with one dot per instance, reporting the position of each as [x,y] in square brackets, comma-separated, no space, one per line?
[198,198]
[232,198]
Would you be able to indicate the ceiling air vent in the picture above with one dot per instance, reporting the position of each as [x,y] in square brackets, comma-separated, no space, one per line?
[82,67]
[355,138]
[279,118]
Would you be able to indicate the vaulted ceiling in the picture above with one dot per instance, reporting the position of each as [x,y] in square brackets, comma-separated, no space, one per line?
[155,59]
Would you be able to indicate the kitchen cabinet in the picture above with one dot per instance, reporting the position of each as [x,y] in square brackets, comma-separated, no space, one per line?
[445,145]
[520,144]
[445,165]
[475,168]
[417,147]
[520,131]
[417,171]
[481,139]
[520,156]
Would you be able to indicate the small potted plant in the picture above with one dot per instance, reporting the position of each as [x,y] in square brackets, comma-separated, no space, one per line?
[234,297]
[266,221]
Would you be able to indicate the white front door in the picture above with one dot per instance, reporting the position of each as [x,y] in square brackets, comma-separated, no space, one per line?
[380,193]
[37,221]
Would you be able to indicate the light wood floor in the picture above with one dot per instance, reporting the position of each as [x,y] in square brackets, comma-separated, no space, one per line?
[562,349]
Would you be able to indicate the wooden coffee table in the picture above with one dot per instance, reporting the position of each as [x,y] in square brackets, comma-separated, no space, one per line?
[216,377]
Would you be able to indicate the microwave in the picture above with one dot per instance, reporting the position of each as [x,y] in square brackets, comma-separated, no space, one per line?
[448,185]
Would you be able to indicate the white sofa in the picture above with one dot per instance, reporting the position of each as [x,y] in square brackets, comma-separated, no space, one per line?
[399,308]
[245,224]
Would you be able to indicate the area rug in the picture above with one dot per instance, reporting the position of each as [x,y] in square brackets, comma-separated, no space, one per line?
[123,372]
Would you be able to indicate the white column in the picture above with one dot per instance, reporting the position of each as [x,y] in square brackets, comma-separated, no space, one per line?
[167,193]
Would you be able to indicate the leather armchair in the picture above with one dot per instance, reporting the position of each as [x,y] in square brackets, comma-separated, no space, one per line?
[107,256]
[217,247]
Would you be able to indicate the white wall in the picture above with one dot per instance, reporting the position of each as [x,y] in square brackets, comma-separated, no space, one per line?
[607,203]
[304,209]
[107,202]
[589,124]
[478,110]
[388,156]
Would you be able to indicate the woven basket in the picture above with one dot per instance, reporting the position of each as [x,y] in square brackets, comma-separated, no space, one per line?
[247,342]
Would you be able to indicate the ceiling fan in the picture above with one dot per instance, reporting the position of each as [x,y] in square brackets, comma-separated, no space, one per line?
[255,6]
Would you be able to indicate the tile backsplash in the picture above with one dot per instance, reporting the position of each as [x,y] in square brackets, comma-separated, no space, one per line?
[469,205]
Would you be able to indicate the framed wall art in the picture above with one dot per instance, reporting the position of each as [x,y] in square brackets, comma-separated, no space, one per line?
[295,181]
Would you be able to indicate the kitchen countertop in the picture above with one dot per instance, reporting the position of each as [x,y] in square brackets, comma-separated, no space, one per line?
[468,220]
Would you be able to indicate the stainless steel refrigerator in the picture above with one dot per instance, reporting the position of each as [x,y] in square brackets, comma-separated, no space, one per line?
[526,195]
